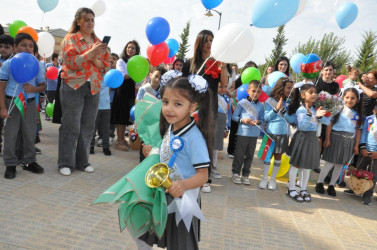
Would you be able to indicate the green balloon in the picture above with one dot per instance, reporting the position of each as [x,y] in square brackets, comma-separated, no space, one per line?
[138,68]
[249,75]
[50,109]
[15,26]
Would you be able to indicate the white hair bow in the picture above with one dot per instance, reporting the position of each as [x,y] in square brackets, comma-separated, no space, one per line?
[198,83]
[169,75]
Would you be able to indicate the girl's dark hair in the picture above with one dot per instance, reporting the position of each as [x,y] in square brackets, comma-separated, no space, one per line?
[282,58]
[278,90]
[197,59]
[298,101]
[178,60]
[248,65]
[358,106]
[124,55]
[205,113]
[6,39]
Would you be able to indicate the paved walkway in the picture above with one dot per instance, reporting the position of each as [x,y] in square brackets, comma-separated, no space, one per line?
[50,211]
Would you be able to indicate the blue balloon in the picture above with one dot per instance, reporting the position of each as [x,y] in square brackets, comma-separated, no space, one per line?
[157,30]
[241,92]
[346,14]
[173,47]
[47,5]
[24,67]
[132,113]
[267,89]
[113,78]
[274,77]
[273,13]
[210,4]
[296,61]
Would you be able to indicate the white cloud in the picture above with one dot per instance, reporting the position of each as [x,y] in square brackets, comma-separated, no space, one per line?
[125,20]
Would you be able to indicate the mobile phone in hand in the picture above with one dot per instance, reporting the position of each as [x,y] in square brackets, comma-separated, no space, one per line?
[106,39]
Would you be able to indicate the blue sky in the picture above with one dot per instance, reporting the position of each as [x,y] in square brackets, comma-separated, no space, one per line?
[125,20]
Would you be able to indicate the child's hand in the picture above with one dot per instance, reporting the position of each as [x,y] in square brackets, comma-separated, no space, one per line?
[255,122]
[176,190]
[372,155]
[356,150]
[320,112]
[146,149]
[246,120]
[226,134]
[326,143]
[4,113]
[364,152]
[280,104]
[28,88]
[308,109]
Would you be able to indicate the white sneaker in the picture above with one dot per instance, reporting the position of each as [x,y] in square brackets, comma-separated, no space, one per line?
[236,179]
[272,185]
[215,174]
[206,188]
[245,180]
[89,169]
[111,141]
[65,171]
[99,143]
[263,184]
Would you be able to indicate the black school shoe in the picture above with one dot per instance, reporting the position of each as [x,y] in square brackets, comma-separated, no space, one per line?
[92,150]
[10,173]
[106,151]
[33,167]
[331,191]
[319,188]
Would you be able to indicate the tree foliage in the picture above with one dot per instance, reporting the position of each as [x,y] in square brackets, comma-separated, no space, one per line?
[279,42]
[183,45]
[366,53]
[329,48]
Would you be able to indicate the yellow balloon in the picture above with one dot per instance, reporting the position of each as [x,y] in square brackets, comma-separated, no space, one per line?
[284,166]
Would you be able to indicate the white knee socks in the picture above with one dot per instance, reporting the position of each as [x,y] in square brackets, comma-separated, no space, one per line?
[305,178]
[292,177]
[336,174]
[266,169]
[275,169]
[325,171]
[214,156]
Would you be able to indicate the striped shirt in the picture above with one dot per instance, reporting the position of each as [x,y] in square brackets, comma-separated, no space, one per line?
[369,104]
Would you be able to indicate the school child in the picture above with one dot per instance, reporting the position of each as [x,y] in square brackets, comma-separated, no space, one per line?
[103,120]
[304,147]
[180,98]
[353,75]
[6,51]
[342,139]
[152,87]
[278,127]
[52,84]
[249,114]
[222,125]
[10,89]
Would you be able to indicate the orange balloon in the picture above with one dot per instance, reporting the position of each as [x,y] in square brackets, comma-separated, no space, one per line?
[29,30]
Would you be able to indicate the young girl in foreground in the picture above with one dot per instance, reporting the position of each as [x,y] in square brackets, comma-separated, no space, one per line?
[304,147]
[180,97]
[278,127]
[342,140]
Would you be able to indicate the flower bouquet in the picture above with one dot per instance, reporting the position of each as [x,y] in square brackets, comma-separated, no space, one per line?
[360,180]
[333,104]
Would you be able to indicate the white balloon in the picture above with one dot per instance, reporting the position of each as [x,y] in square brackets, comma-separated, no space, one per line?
[301,7]
[46,43]
[233,43]
[98,7]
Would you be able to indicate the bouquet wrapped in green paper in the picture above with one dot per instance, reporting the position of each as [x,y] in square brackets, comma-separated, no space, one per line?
[141,208]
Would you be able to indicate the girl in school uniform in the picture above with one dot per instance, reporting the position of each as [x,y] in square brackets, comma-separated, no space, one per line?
[278,127]
[180,97]
[342,139]
[304,147]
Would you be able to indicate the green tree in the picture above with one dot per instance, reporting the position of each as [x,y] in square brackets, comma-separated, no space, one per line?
[329,48]
[184,46]
[366,58]
[279,42]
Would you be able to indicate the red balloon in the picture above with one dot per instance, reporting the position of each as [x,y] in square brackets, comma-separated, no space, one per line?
[52,73]
[169,60]
[263,97]
[340,80]
[157,53]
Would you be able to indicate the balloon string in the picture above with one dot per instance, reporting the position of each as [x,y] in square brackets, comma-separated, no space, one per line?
[204,63]
[43,16]
[225,50]
[325,63]
[10,105]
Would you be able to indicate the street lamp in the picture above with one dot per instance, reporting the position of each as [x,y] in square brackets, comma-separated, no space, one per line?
[209,14]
